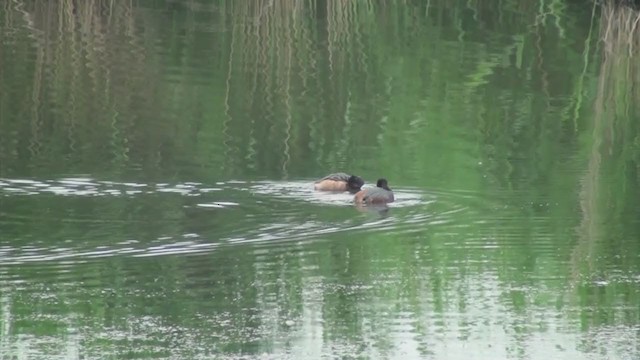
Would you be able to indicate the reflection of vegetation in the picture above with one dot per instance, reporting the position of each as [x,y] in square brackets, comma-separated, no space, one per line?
[612,178]
[302,86]
[439,93]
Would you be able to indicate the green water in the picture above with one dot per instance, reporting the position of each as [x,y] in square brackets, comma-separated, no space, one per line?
[157,161]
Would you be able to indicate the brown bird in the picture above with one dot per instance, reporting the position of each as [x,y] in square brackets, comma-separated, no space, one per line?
[339,182]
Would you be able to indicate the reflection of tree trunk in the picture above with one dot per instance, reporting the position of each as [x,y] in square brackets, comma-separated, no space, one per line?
[620,34]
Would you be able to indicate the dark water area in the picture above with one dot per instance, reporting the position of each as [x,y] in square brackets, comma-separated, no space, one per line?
[157,161]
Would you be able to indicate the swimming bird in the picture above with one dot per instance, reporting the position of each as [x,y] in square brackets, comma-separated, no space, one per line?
[339,182]
[381,194]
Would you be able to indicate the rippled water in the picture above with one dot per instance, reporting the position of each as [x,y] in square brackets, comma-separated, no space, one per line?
[157,161]
[294,274]
[268,211]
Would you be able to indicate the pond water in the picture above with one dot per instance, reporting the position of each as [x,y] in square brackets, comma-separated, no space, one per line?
[157,161]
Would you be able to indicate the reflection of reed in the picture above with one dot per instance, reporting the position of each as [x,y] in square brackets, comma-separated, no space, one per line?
[227,104]
[286,90]
[101,93]
[35,142]
[333,54]
[82,100]
[304,85]
[265,49]
[612,131]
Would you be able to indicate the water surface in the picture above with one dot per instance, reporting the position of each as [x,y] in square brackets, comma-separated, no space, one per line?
[157,161]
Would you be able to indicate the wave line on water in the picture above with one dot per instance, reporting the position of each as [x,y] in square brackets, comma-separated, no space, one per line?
[229,213]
